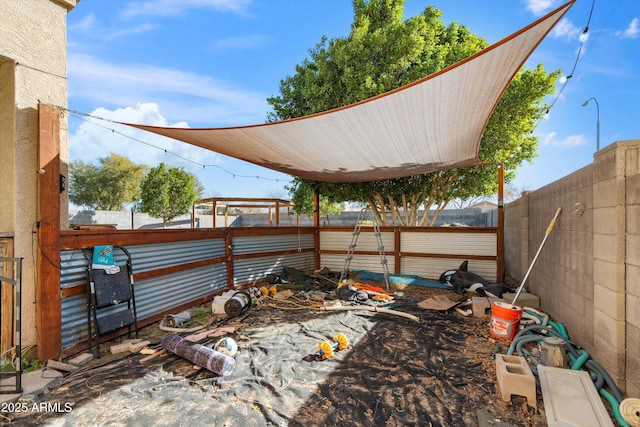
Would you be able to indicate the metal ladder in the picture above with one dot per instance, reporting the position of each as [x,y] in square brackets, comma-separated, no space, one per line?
[354,243]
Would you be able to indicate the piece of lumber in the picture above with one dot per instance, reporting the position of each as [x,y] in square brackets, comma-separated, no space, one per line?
[61,366]
[81,359]
[198,337]
[134,348]
[223,330]
[161,352]
[119,348]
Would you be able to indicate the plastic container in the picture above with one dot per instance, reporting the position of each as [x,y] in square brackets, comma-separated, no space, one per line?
[553,352]
[217,305]
[505,319]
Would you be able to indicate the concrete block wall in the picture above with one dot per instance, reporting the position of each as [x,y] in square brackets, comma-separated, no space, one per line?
[588,273]
[632,271]
[515,237]
[563,274]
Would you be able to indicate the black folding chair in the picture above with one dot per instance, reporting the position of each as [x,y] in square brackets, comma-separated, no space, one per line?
[111,304]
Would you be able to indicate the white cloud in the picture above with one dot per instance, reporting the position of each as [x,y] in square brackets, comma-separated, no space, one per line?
[124,31]
[548,138]
[91,28]
[200,98]
[568,142]
[173,7]
[632,31]
[572,141]
[97,136]
[85,24]
[539,7]
[565,29]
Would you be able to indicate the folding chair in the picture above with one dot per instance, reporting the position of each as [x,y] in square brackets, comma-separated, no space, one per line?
[111,301]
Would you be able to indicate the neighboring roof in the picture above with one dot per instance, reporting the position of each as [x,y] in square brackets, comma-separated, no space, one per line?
[484,206]
[432,124]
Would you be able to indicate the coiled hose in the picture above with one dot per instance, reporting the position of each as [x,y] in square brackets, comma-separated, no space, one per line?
[580,358]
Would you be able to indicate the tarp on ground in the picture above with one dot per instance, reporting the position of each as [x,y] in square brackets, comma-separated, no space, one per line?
[435,123]
[395,372]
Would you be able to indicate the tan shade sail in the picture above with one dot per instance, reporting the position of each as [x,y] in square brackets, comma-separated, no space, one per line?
[435,123]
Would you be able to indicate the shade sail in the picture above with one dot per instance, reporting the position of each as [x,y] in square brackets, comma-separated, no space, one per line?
[432,124]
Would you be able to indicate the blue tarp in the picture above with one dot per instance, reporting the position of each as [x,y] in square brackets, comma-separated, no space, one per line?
[405,279]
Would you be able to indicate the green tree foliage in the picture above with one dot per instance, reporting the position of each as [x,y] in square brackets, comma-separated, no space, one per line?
[199,188]
[384,52]
[167,193]
[302,199]
[111,184]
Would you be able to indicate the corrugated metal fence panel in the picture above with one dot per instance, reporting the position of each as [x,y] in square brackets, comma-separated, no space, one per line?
[165,292]
[432,268]
[335,262]
[449,243]
[161,255]
[153,296]
[74,268]
[248,270]
[341,240]
[74,320]
[254,244]
[144,257]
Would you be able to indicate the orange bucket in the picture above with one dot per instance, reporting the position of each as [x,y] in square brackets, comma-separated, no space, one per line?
[505,319]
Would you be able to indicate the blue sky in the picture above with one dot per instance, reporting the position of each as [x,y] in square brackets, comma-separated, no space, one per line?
[213,63]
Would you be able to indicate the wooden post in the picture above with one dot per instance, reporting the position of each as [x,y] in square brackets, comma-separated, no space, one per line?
[215,213]
[316,224]
[398,256]
[229,252]
[49,312]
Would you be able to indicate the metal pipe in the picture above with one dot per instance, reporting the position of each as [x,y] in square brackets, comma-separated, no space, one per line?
[546,235]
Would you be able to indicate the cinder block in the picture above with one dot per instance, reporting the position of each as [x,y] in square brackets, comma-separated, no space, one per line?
[515,377]
[525,299]
[481,306]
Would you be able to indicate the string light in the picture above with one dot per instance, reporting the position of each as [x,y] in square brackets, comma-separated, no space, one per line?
[564,80]
[83,116]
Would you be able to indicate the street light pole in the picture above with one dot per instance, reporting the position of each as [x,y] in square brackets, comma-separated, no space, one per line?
[598,121]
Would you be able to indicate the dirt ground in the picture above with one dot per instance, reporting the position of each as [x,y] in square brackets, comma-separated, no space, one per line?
[437,371]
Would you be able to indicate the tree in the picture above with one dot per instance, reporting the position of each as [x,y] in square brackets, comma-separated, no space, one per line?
[302,199]
[383,52]
[198,188]
[167,193]
[111,184]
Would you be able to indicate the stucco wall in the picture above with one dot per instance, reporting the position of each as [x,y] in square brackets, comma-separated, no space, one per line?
[588,273]
[7,136]
[32,70]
